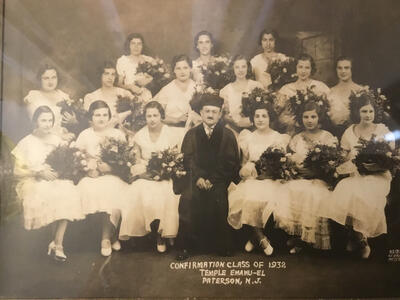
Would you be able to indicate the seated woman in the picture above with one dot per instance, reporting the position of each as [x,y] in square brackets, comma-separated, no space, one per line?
[305,67]
[100,191]
[128,63]
[203,44]
[152,200]
[252,200]
[303,213]
[45,199]
[108,93]
[359,201]
[259,63]
[339,95]
[232,94]
[176,95]
[49,95]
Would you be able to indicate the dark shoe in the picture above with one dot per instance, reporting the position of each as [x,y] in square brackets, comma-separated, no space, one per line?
[182,255]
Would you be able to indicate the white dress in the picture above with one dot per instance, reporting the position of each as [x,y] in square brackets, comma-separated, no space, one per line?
[36,98]
[252,201]
[175,100]
[304,212]
[289,90]
[44,201]
[152,200]
[360,200]
[105,193]
[126,68]
[233,99]
[260,64]
[110,98]
[196,70]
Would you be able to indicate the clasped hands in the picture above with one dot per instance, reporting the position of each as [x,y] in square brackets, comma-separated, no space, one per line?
[204,184]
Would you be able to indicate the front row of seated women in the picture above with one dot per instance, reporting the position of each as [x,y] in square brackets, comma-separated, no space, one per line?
[300,207]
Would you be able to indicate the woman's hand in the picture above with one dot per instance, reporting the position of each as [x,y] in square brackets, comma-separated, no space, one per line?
[138,169]
[248,171]
[135,89]
[47,173]
[306,173]
[103,167]
[69,118]
[93,173]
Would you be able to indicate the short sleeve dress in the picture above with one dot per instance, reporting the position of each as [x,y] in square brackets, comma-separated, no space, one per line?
[44,201]
[360,200]
[152,200]
[252,201]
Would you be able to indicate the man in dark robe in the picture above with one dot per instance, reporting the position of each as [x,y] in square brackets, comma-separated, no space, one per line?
[211,159]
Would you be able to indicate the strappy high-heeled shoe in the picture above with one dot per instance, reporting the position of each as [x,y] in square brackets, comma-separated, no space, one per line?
[51,248]
[57,252]
[267,248]
[106,248]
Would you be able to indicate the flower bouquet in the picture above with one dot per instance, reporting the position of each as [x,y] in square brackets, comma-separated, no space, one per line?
[217,73]
[70,163]
[119,155]
[157,70]
[165,165]
[136,120]
[255,97]
[282,71]
[79,118]
[274,163]
[376,152]
[322,160]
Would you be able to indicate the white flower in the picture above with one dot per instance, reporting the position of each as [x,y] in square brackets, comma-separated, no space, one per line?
[163,165]
[161,61]
[156,177]
[129,164]
[317,150]
[258,99]
[284,70]
[217,73]
[161,70]
[378,90]
[171,164]
[83,162]
[320,103]
[169,169]
[159,155]
[331,162]
[298,102]
[389,154]
[306,97]
[283,159]
[114,149]
[223,71]
[210,90]
[166,75]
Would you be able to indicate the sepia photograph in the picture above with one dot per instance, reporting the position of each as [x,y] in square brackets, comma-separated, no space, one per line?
[189,149]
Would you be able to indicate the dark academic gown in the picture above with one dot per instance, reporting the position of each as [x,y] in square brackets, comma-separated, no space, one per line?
[203,214]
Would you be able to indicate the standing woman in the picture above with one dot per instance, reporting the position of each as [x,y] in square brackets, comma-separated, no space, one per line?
[49,95]
[303,214]
[305,68]
[203,44]
[109,93]
[154,200]
[232,94]
[176,95]
[359,201]
[100,191]
[128,63]
[339,95]
[251,201]
[46,199]
[267,41]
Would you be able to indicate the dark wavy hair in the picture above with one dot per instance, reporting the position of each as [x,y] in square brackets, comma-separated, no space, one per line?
[41,110]
[263,105]
[157,105]
[180,57]
[249,68]
[268,31]
[307,57]
[97,105]
[128,40]
[362,100]
[199,34]
[108,64]
[311,105]
[43,68]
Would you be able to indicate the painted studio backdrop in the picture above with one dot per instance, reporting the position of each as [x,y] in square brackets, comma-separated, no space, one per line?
[78,36]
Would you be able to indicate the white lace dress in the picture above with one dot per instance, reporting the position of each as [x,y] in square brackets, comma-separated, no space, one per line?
[152,200]
[44,201]
[360,200]
[252,201]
